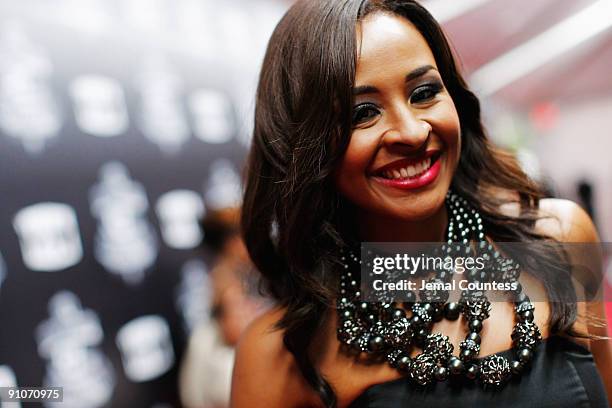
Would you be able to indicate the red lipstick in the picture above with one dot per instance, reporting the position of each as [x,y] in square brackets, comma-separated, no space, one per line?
[410,183]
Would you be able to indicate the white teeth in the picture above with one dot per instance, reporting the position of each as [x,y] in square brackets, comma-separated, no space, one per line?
[409,171]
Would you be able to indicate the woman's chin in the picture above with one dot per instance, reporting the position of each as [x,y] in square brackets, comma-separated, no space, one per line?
[420,208]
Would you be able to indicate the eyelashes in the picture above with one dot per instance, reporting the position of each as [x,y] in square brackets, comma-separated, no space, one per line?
[425,93]
[364,112]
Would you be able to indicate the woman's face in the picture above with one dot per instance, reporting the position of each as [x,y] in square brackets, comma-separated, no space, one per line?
[405,141]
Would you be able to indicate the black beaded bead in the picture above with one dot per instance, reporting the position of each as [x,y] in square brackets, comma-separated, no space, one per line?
[494,370]
[467,354]
[343,301]
[475,326]
[452,310]
[403,362]
[422,369]
[397,313]
[393,356]
[472,371]
[455,366]
[523,306]
[420,336]
[438,314]
[516,367]
[524,355]
[475,337]
[441,373]
[376,343]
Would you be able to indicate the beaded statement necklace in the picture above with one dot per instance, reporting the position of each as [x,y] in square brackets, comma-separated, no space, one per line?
[386,331]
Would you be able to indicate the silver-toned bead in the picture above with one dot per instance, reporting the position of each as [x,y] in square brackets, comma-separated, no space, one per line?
[523,307]
[422,369]
[494,370]
[526,335]
[439,347]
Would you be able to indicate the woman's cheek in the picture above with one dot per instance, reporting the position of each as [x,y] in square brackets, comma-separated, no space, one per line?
[359,154]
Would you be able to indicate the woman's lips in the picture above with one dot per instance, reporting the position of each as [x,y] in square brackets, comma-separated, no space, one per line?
[419,181]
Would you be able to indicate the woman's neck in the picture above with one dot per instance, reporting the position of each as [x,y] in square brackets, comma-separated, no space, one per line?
[390,229]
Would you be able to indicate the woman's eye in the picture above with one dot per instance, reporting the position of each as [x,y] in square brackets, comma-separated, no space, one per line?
[425,93]
[364,113]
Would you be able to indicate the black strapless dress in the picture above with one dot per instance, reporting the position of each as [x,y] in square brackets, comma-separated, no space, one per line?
[562,374]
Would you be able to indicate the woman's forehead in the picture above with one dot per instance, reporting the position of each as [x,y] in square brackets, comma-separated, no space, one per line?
[385,39]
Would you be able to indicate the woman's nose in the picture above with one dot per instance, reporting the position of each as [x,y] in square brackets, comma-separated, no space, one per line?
[407,129]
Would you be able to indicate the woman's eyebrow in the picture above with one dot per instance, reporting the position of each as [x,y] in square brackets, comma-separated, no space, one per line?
[418,72]
[366,89]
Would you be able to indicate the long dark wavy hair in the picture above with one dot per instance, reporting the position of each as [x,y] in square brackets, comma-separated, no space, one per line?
[294,220]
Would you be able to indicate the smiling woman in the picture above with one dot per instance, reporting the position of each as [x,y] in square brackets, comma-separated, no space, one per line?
[406,139]
[366,131]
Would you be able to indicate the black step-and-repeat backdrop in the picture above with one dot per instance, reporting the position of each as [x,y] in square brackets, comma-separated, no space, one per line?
[121,123]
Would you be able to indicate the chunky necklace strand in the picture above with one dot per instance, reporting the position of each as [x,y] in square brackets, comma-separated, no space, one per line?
[384,330]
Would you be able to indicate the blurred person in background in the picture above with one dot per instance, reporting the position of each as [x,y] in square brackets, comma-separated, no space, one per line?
[205,375]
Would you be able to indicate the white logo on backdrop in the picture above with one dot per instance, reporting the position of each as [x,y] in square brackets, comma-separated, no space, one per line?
[125,243]
[193,295]
[2,270]
[146,348]
[223,188]
[28,109]
[161,116]
[68,340]
[8,379]
[99,105]
[179,213]
[212,115]
[49,236]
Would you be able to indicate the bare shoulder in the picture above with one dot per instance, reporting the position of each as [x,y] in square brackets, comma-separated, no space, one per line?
[569,224]
[265,373]
[563,220]
[566,221]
